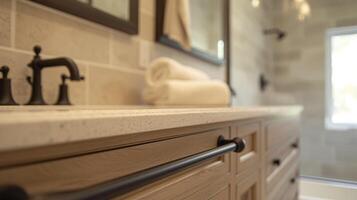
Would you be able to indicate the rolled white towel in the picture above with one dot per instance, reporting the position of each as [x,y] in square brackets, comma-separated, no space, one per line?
[163,69]
[176,92]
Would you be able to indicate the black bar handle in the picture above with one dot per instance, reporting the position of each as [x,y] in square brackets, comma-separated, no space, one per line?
[123,185]
[12,192]
[240,143]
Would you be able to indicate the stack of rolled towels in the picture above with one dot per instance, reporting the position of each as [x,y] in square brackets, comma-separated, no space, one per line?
[171,83]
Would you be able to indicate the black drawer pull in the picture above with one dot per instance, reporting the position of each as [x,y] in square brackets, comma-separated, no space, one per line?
[292,180]
[123,185]
[295,145]
[276,162]
[12,192]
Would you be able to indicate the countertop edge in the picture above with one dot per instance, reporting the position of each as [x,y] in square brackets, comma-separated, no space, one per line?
[23,130]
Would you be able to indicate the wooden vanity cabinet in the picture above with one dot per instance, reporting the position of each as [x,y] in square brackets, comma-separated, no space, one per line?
[249,186]
[249,175]
[281,158]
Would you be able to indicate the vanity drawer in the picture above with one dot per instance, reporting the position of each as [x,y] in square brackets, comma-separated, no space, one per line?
[248,187]
[279,131]
[202,182]
[249,157]
[287,188]
[278,156]
[91,169]
[293,189]
[291,162]
[216,190]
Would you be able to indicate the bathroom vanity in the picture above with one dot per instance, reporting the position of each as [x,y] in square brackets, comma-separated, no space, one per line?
[50,151]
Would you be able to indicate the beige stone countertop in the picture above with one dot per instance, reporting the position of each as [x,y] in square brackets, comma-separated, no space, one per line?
[31,126]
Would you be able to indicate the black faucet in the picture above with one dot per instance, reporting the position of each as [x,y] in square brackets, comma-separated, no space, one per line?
[37,64]
[5,88]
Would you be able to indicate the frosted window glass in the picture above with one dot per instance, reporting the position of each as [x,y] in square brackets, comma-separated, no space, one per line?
[344,79]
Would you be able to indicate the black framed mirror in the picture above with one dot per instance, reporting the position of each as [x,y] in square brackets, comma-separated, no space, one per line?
[209,29]
[118,14]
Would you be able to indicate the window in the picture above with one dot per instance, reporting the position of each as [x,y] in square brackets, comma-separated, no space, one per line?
[341,78]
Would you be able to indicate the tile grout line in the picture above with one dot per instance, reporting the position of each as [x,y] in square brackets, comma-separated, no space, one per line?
[111,37]
[13,23]
[12,49]
[87,84]
[99,65]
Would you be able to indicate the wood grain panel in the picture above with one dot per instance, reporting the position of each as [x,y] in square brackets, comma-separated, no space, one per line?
[86,170]
[60,151]
[284,188]
[278,131]
[197,183]
[248,187]
[216,190]
[250,132]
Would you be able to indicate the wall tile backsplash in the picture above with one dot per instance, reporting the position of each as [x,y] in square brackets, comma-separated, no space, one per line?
[59,35]
[5,22]
[112,62]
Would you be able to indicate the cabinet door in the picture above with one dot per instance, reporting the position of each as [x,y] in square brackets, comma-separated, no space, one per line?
[249,157]
[249,187]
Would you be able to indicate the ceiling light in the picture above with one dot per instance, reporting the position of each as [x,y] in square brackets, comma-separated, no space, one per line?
[255,3]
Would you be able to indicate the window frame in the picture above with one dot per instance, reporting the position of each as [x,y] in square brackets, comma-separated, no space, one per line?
[329,124]
[87,12]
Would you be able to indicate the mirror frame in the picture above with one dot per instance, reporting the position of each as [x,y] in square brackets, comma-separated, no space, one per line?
[95,15]
[198,53]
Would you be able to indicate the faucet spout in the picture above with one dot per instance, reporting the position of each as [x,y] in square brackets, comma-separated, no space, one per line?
[37,64]
[62,61]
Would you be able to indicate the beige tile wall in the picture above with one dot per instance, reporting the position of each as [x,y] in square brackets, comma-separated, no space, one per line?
[300,71]
[5,22]
[113,62]
[251,54]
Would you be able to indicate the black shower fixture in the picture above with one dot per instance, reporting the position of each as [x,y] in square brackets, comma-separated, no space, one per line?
[278,32]
[263,82]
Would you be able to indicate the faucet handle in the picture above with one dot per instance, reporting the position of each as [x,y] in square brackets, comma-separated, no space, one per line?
[6,97]
[37,49]
[5,71]
[29,79]
[63,97]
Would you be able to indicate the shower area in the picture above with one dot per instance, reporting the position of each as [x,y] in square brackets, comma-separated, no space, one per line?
[314,64]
